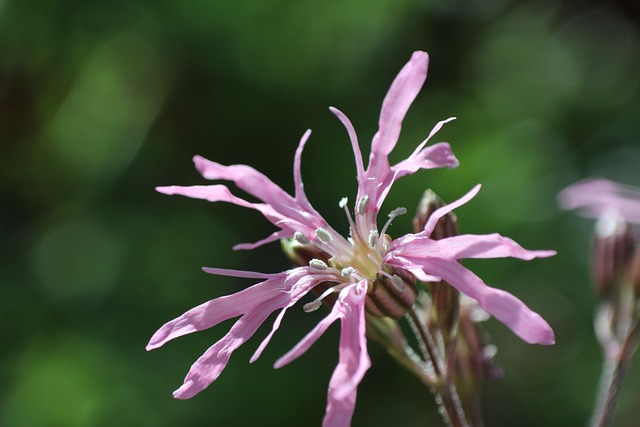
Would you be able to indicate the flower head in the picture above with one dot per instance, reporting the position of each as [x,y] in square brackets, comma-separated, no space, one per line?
[601,198]
[351,268]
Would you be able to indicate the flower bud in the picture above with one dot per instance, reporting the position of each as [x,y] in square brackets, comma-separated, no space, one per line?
[611,252]
[444,297]
[391,294]
[447,226]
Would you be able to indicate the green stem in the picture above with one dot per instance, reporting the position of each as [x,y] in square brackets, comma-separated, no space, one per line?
[614,370]
[445,392]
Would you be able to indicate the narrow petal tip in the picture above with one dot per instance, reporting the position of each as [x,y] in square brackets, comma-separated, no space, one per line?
[547,337]
[165,189]
[544,254]
[536,331]
[186,391]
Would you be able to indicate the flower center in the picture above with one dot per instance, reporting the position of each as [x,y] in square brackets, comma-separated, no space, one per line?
[357,258]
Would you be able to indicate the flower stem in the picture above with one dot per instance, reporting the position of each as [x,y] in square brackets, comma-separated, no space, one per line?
[445,392]
[614,370]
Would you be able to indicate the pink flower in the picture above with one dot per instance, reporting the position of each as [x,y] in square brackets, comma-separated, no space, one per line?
[602,199]
[355,262]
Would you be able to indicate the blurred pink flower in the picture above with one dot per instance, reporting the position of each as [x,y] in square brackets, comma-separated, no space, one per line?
[356,262]
[602,198]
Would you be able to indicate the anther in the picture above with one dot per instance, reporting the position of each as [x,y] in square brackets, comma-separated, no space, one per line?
[312,306]
[318,264]
[323,235]
[315,304]
[347,271]
[301,238]
[392,215]
[373,238]
[362,204]
[343,202]
[397,212]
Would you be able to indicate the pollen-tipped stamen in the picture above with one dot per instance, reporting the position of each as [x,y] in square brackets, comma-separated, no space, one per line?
[393,215]
[316,303]
[362,205]
[318,264]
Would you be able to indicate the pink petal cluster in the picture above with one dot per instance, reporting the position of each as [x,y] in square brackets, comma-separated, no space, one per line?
[602,198]
[355,261]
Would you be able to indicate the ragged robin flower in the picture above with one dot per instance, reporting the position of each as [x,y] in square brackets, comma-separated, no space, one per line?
[355,266]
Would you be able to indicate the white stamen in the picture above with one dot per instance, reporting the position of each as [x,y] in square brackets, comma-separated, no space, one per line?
[315,304]
[301,238]
[392,215]
[397,212]
[347,271]
[373,238]
[312,306]
[395,280]
[343,202]
[362,204]
[318,264]
[323,235]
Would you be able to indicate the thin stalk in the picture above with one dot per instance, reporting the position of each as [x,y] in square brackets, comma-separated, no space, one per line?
[614,370]
[446,395]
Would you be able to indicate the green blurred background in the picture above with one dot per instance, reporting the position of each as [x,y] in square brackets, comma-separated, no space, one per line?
[100,101]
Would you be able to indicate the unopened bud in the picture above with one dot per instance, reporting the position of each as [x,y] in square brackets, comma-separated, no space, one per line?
[612,249]
[445,298]
[447,226]
[445,307]
[391,294]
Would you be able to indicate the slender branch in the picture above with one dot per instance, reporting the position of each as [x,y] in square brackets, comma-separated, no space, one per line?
[444,390]
[614,371]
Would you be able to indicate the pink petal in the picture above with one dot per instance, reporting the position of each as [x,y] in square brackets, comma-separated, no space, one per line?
[439,213]
[435,130]
[211,193]
[219,309]
[524,322]
[306,342]
[598,197]
[399,98]
[240,273]
[339,412]
[435,156]
[220,193]
[258,185]
[301,197]
[210,365]
[354,142]
[472,246]
[271,238]
[353,361]
[401,94]
[296,294]
[246,178]
[353,357]
[215,311]
[255,304]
